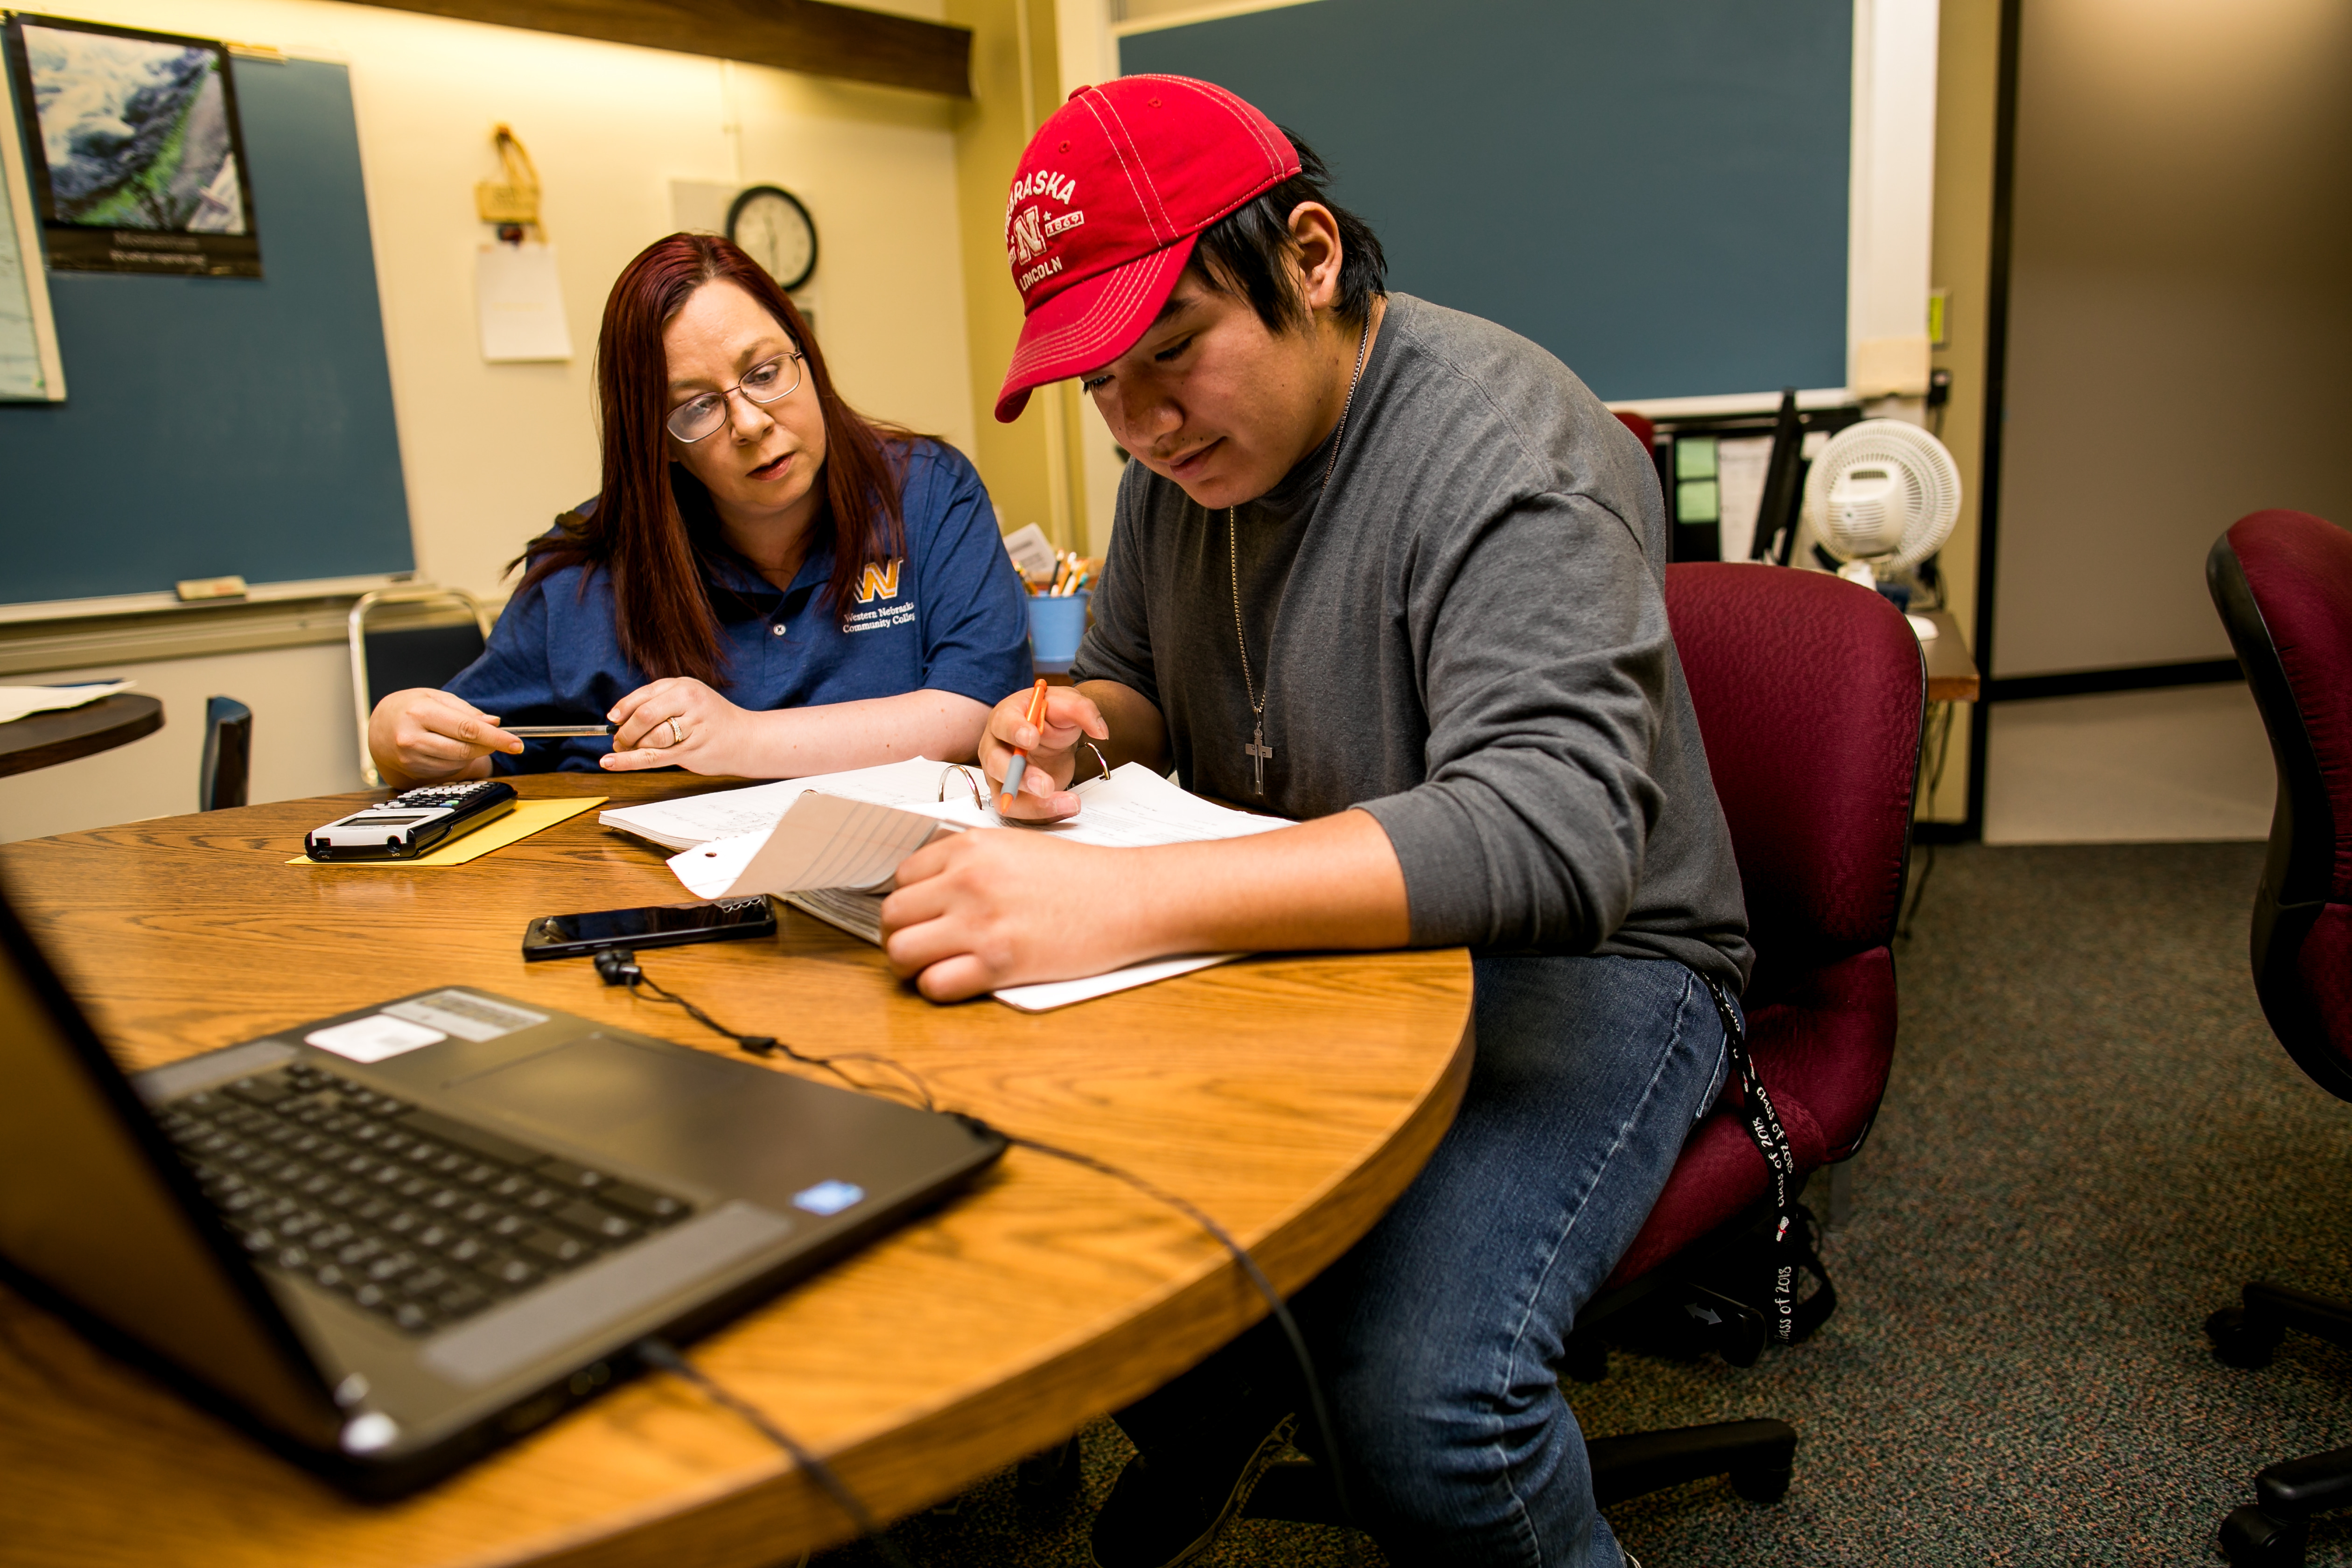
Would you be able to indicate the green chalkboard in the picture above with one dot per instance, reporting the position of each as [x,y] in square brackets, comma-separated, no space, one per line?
[1655,190]
[218,426]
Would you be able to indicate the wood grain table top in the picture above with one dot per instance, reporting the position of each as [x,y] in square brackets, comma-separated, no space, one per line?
[44,740]
[1292,1097]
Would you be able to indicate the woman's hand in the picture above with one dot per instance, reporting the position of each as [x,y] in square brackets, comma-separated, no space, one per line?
[1002,907]
[680,723]
[422,735]
[1044,787]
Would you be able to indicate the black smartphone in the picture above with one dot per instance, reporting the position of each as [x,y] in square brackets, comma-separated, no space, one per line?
[655,925]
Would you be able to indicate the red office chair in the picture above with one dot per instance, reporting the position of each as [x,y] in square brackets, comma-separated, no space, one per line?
[2282,582]
[1810,692]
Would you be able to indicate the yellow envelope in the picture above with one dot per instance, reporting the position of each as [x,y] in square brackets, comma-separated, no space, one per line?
[528,817]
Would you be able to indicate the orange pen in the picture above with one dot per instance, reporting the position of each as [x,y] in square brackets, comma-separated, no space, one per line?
[1019,758]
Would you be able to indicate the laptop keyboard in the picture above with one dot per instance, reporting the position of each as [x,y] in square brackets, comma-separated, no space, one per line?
[418,1220]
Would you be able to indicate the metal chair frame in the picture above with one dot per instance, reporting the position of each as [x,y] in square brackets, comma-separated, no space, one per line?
[357,632]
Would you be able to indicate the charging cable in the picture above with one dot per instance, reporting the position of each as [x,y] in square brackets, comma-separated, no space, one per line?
[619,966]
[654,1350]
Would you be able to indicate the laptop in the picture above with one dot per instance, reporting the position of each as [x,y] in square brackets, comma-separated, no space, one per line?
[387,1241]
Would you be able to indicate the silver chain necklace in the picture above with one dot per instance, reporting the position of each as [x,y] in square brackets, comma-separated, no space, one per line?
[1257,751]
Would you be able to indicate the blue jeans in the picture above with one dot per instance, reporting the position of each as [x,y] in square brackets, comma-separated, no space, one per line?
[1436,1335]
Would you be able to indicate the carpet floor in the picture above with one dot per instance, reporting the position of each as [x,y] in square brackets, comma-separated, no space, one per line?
[2091,1141]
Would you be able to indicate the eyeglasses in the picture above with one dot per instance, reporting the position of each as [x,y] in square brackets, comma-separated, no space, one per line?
[765,383]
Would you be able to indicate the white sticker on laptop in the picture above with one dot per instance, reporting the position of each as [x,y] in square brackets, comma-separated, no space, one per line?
[465,1015]
[374,1037]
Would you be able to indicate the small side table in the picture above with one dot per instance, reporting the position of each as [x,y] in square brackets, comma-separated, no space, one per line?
[1951,672]
[44,740]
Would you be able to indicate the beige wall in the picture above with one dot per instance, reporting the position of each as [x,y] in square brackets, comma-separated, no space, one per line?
[490,452]
[2180,324]
[1053,466]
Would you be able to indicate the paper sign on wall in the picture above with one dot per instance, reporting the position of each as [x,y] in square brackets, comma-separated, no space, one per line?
[521,304]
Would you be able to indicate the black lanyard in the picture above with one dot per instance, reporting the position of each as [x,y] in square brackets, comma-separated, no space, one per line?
[1772,1142]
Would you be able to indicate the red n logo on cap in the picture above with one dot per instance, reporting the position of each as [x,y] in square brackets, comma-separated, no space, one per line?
[1028,239]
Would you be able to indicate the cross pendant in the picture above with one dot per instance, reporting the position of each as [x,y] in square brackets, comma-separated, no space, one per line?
[1258,751]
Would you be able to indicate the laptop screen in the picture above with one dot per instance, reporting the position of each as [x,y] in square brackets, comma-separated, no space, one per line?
[87,1208]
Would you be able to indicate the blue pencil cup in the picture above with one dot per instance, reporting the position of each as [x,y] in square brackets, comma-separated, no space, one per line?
[1054,628]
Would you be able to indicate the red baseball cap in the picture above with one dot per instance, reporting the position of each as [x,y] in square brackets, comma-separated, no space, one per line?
[1106,205]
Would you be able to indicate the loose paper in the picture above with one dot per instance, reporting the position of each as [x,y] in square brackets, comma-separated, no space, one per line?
[17,701]
[823,841]
[521,304]
[697,819]
[1052,994]
[1032,552]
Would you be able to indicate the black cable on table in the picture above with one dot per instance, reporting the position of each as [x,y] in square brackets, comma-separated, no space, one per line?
[618,966]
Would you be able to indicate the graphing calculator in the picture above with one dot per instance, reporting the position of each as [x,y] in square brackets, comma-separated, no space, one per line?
[413,822]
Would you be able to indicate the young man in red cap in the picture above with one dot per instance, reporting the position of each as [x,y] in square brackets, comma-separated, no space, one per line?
[1394,572]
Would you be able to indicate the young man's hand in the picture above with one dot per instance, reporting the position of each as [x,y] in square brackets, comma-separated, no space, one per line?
[1052,747]
[1002,907]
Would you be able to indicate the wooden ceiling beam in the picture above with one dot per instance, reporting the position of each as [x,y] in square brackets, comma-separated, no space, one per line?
[796,35]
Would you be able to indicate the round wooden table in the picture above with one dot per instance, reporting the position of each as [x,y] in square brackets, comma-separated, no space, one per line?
[1292,1097]
[42,740]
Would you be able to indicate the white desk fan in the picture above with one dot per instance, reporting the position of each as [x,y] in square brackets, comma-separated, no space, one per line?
[1882,498]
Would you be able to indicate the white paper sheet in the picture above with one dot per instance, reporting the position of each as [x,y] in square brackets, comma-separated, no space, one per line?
[725,814]
[1052,993]
[831,854]
[17,701]
[823,841]
[1031,553]
[1739,465]
[520,301]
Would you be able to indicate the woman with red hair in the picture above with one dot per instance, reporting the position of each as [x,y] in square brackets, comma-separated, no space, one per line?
[768,584]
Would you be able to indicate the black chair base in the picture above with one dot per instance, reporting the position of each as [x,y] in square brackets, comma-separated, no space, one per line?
[1049,1479]
[2273,1532]
[1758,1456]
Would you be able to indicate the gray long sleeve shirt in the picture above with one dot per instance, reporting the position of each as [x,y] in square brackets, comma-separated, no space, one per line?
[1466,637]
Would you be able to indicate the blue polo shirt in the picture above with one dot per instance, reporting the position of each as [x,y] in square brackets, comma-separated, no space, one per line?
[949,616]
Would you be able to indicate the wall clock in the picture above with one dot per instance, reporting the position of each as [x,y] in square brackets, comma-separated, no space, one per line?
[770,223]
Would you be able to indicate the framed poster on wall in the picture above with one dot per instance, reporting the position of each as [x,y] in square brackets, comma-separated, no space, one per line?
[135,151]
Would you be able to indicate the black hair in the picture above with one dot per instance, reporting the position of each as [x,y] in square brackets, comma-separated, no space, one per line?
[1248,251]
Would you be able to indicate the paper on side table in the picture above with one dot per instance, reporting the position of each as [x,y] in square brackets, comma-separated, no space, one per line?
[18,702]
